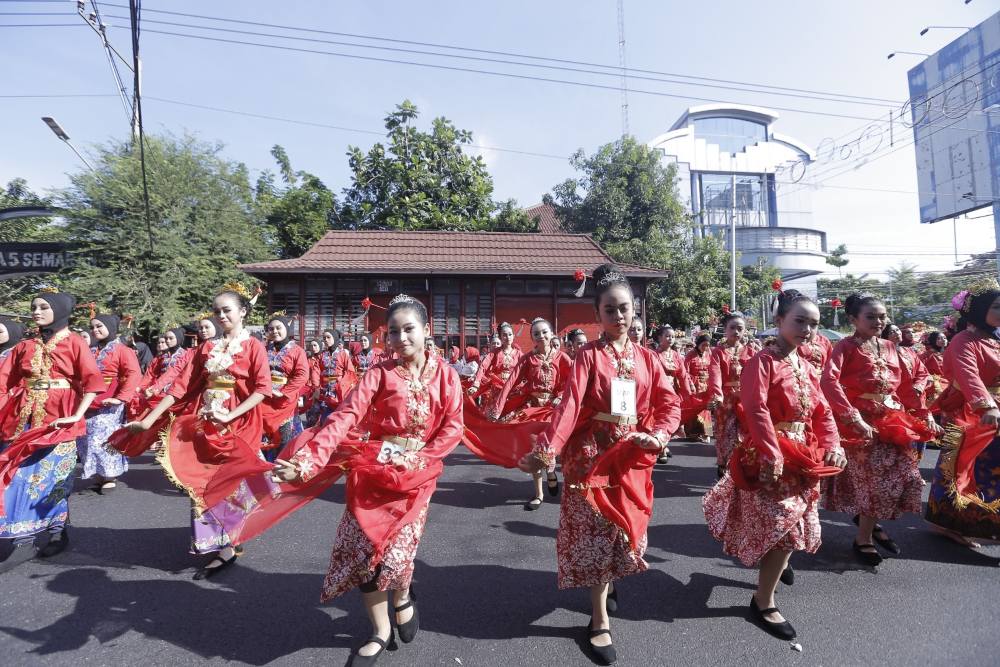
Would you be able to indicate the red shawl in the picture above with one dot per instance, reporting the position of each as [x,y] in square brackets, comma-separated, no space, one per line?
[800,458]
[621,488]
[502,444]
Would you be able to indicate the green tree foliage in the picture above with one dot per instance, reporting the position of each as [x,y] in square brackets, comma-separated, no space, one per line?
[423,181]
[203,225]
[626,198]
[297,216]
[838,258]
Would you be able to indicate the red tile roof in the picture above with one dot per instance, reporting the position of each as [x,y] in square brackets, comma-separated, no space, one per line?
[494,253]
[548,223]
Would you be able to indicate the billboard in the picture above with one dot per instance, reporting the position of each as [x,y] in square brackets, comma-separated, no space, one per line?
[26,259]
[955,111]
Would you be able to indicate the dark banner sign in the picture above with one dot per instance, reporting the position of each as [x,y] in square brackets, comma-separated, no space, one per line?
[19,259]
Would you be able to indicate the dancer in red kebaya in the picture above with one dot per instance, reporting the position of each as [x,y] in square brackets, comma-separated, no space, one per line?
[410,410]
[933,358]
[964,501]
[289,374]
[697,418]
[615,418]
[676,370]
[537,382]
[336,372]
[862,382]
[495,370]
[767,505]
[728,360]
[816,350]
[217,429]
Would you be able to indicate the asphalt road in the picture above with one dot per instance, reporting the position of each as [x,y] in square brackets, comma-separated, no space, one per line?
[123,595]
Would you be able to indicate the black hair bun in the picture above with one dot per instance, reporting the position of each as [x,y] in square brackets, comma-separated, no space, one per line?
[603,270]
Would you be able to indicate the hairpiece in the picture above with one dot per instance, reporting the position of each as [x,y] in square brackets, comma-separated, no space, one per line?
[963,300]
[207,315]
[50,290]
[612,277]
[278,314]
[401,298]
[239,288]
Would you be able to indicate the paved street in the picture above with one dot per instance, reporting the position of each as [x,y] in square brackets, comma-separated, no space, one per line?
[487,588]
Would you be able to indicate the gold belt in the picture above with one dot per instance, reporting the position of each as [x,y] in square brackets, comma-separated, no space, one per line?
[279,379]
[542,395]
[223,385]
[327,379]
[791,427]
[108,381]
[624,420]
[994,390]
[45,385]
[408,444]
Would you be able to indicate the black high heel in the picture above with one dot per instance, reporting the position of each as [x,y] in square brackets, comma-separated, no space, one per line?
[358,660]
[552,483]
[408,630]
[886,542]
[782,630]
[207,572]
[871,558]
[57,544]
[787,575]
[605,655]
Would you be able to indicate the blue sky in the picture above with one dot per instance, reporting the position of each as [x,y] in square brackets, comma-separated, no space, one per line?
[824,46]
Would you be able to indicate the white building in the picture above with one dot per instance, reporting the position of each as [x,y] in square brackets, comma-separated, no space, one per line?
[731,163]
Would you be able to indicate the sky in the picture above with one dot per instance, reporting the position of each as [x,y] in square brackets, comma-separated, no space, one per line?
[337,101]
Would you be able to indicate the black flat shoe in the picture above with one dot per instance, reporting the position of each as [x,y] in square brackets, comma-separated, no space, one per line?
[663,459]
[885,541]
[408,630]
[611,604]
[787,575]
[604,655]
[22,553]
[872,558]
[365,660]
[207,572]
[57,544]
[552,483]
[783,630]
[532,504]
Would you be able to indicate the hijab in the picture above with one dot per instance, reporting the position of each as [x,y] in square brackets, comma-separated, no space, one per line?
[287,321]
[62,305]
[111,322]
[15,332]
[179,334]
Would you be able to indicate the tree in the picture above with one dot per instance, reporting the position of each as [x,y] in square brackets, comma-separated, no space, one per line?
[297,216]
[627,200]
[838,258]
[423,181]
[203,225]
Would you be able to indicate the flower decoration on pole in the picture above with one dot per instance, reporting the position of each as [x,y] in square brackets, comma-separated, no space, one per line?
[836,304]
[366,305]
[581,277]
[520,326]
[776,285]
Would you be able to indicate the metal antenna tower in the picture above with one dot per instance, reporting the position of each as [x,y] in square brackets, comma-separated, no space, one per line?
[621,64]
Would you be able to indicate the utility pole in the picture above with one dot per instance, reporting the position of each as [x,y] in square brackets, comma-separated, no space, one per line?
[732,248]
[621,64]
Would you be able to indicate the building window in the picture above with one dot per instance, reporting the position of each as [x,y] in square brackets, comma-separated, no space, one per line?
[538,287]
[750,205]
[445,319]
[731,135]
[478,313]
[510,287]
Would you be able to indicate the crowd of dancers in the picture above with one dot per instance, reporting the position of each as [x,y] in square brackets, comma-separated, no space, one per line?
[251,430]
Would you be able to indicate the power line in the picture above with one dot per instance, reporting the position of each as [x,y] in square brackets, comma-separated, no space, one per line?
[511,75]
[618,68]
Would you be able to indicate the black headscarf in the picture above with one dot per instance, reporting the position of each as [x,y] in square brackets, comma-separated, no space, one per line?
[287,321]
[15,332]
[62,305]
[111,322]
[179,334]
[144,354]
[336,339]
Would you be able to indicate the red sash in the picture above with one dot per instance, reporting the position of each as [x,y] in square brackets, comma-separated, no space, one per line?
[802,458]
[502,444]
[621,488]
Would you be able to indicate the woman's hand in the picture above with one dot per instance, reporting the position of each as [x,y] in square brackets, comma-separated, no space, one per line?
[110,402]
[991,417]
[138,426]
[645,441]
[220,417]
[277,394]
[770,472]
[835,457]
[65,421]
[471,391]
[149,393]
[285,471]
[866,431]
[934,426]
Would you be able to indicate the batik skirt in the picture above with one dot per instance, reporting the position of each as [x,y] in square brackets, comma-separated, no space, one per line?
[37,499]
[972,520]
[97,458]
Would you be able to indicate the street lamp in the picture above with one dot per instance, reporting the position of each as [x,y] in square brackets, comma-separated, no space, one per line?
[909,53]
[946,27]
[61,133]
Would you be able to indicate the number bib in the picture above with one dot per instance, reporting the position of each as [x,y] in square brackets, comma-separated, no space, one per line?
[623,397]
[387,451]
